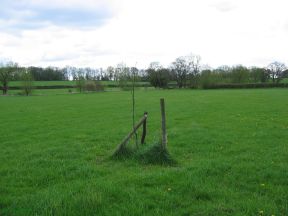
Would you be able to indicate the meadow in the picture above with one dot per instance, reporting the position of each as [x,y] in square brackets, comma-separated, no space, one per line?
[230,146]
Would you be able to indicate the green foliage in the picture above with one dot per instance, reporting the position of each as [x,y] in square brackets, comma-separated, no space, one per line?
[259,75]
[240,74]
[234,77]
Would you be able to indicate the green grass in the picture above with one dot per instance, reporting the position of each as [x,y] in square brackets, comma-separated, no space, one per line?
[230,146]
[45,83]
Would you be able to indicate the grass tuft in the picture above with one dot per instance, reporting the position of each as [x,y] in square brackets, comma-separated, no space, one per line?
[155,155]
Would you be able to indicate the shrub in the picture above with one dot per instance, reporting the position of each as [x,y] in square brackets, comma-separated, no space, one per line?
[99,86]
[92,86]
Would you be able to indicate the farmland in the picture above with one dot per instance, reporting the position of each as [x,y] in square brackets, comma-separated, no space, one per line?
[230,147]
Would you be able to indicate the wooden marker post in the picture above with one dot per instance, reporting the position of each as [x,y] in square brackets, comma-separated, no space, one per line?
[144,129]
[126,139]
[163,117]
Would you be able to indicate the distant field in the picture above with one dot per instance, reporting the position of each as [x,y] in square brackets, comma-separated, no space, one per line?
[61,83]
[231,148]
[45,83]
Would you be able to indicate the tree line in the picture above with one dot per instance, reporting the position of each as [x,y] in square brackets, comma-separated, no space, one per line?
[185,72]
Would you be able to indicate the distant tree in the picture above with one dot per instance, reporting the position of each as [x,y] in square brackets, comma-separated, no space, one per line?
[223,74]
[186,67]
[275,70]
[240,74]
[27,81]
[258,75]
[206,78]
[123,76]
[79,77]
[6,74]
[285,74]
[194,75]
[157,75]
[111,73]
[180,70]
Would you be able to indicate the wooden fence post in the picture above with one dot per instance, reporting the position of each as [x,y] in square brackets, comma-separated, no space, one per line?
[126,139]
[163,118]
[144,129]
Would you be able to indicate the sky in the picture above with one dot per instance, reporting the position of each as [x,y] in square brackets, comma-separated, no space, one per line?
[98,33]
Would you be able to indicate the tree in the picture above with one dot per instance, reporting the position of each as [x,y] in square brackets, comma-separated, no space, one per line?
[206,78]
[258,75]
[6,73]
[194,76]
[223,74]
[123,76]
[111,72]
[240,74]
[275,70]
[186,67]
[285,74]
[180,69]
[27,81]
[79,76]
[157,75]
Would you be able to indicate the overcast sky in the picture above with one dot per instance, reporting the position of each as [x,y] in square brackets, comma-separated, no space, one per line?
[98,33]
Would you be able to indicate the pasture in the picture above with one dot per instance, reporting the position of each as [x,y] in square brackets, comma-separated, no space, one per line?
[231,147]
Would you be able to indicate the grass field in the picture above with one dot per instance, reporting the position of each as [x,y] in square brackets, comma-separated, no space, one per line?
[66,83]
[231,147]
[45,83]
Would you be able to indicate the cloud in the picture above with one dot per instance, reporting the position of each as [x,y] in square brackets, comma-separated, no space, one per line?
[286,26]
[224,6]
[23,15]
[100,33]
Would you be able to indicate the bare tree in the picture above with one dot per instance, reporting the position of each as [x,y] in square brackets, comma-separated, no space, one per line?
[123,76]
[186,67]
[27,81]
[180,69]
[110,72]
[275,70]
[194,76]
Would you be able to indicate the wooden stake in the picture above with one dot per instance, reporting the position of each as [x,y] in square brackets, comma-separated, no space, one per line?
[126,139]
[144,129]
[163,117]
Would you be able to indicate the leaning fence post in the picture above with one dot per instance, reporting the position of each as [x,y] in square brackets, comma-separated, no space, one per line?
[163,117]
[144,129]
[126,139]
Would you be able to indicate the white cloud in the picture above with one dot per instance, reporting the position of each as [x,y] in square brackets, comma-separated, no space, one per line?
[224,6]
[250,32]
